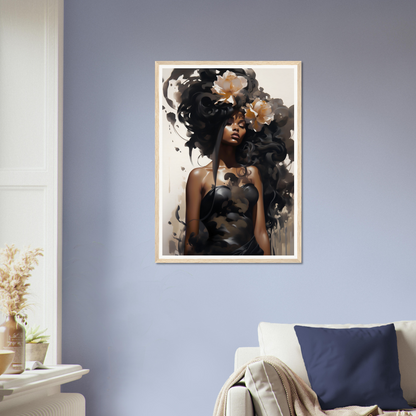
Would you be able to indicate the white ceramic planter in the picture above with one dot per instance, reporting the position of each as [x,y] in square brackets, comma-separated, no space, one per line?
[36,352]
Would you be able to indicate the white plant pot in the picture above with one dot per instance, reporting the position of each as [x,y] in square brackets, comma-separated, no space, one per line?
[36,352]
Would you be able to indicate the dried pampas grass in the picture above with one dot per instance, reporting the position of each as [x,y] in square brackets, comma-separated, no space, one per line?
[14,273]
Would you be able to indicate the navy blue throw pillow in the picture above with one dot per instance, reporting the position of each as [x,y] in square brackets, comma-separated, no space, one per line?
[356,366]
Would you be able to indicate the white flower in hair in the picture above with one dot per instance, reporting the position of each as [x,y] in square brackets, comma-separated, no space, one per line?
[228,86]
[258,113]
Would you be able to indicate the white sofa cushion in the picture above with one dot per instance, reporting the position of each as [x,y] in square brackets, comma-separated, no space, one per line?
[266,390]
[280,340]
[244,355]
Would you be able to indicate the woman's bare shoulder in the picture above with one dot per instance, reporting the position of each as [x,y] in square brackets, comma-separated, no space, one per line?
[253,171]
[198,175]
[198,172]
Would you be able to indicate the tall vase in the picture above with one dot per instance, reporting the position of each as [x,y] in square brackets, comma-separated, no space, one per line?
[12,337]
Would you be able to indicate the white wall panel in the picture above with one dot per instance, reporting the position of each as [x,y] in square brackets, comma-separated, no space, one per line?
[22,84]
[23,221]
[31,44]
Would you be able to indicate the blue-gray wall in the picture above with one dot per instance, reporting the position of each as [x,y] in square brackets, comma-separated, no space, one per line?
[159,339]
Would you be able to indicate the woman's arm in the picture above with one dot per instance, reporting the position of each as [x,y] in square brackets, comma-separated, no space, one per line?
[260,231]
[193,204]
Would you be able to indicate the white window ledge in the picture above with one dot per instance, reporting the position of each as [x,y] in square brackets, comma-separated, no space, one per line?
[35,384]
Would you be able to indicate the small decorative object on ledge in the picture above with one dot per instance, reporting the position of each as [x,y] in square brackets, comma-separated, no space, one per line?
[14,340]
[6,358]
[36,345]
[14,274]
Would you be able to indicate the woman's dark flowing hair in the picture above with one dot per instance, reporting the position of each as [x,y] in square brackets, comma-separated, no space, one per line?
[204,117]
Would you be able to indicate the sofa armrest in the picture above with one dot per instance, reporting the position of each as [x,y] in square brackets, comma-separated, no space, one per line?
[266,390]
[239,402]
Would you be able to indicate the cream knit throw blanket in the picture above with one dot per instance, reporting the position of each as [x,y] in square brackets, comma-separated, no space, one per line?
[302,400]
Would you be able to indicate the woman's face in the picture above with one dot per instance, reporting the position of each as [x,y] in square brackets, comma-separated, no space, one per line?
[234,130]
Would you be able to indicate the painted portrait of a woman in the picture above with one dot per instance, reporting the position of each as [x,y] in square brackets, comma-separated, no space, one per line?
[228,161]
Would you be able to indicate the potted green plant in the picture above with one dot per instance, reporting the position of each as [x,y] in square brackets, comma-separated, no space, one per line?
[36,344]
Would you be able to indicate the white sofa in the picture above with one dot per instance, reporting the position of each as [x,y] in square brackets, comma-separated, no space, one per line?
[280,340]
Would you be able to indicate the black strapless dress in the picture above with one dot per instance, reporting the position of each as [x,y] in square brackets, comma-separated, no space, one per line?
[226,215]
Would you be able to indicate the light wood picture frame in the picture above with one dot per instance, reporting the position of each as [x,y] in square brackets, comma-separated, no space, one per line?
[228,162]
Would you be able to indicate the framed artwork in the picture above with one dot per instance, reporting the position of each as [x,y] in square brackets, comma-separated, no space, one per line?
[228,162]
